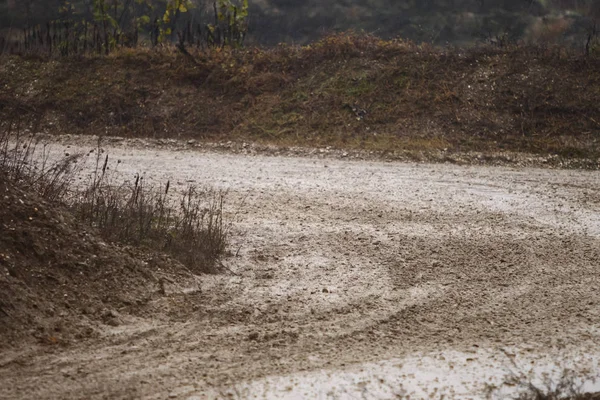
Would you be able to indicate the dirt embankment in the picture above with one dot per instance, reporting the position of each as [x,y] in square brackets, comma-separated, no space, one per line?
[60,283]
[347,91]
[339,263]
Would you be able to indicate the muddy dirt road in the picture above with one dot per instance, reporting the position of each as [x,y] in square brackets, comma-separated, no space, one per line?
[352,278]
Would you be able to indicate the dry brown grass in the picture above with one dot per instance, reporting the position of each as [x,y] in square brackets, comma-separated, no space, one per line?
[188,226]
[190,230]
[540,100]
[24,161]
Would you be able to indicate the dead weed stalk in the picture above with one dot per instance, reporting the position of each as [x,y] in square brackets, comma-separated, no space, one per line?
[140,214]
[570,385]
[22,163]
[191,230]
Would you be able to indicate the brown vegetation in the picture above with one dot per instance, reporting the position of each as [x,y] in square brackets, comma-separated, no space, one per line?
[349,91]
[58,278]
[191,231]
[65,261]
[569,386]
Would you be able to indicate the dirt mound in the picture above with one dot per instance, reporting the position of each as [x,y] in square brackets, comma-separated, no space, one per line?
[58,281]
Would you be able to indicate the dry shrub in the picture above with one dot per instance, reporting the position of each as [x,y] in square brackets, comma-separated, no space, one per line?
[569,386]
[191,230]
[140,214]
[198,237]
[22,163]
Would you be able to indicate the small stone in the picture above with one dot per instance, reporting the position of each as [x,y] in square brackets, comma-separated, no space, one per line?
[325,290]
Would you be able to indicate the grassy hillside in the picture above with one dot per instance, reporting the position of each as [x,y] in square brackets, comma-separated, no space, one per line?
[347,91]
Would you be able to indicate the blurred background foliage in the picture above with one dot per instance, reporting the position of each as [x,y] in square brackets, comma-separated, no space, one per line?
[293,21]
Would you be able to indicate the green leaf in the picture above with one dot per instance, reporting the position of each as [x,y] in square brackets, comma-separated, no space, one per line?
[144,20]
[244,11]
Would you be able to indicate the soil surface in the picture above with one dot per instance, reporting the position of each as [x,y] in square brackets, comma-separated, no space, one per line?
[338,267]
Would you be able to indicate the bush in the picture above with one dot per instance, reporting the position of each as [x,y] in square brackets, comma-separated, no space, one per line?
[570,386]
[143,215]
[191,230]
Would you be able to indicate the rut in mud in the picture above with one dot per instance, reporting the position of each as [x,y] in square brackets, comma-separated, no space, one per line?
[339,262]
